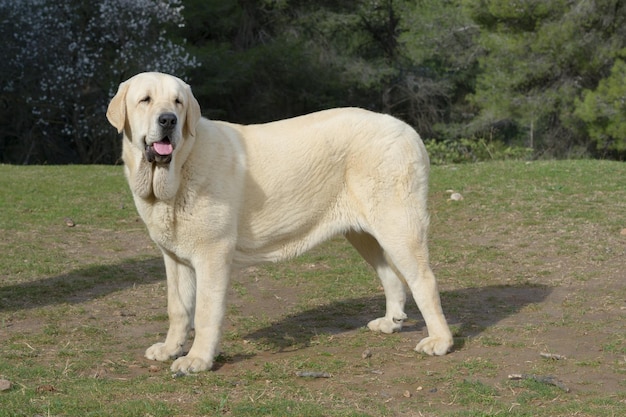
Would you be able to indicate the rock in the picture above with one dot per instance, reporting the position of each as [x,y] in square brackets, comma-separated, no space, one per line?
[366,354]
[456,197]
[5,385]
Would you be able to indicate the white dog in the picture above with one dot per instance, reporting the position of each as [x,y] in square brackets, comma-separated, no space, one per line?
[216,196]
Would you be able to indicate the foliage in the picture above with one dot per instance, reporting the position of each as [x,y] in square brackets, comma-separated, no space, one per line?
[604,109]
[539,56]
[268,59]
[65,60]
[473,150]
[529,74]
[440,42]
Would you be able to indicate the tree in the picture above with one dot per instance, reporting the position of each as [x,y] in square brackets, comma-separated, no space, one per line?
[440,42]
[254,61]
[264,60]
[604,111]
[539,56]
[65,61]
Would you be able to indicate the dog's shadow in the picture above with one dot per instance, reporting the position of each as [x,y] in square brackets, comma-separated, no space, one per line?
[80,285]
[469,311]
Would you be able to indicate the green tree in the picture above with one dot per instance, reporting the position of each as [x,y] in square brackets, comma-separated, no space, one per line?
[539,56]
[440,43]
[604,111]
[266,59]
[255,65]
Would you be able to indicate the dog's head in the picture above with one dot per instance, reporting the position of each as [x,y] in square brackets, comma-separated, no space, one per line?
[156,112]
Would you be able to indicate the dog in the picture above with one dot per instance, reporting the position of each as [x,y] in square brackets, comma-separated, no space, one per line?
[216,196]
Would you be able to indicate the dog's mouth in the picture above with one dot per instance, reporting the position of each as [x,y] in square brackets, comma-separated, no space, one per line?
[160,152]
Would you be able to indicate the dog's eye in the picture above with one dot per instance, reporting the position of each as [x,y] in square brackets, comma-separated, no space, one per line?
[178,101]
[146,99]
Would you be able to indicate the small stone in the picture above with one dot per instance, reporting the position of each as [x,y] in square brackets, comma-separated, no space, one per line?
[5,385]
[153,369]
[180,374]
[407,394]
[456,197]
[69,222]
[366,354]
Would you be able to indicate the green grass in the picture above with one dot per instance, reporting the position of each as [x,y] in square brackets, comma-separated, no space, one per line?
[530,260]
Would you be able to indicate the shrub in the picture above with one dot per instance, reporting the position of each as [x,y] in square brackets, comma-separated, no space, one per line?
[467,150]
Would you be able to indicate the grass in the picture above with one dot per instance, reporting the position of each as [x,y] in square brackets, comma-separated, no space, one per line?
[530,260]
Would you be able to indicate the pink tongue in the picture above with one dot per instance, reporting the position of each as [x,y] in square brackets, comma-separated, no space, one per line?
[163,147]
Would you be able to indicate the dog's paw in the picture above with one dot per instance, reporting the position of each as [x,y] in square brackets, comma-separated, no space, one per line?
[434,346]
[161,352]
[188,364]
[386,325]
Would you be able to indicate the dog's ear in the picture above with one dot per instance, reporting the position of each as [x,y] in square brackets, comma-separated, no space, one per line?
[116,113]
[193,113]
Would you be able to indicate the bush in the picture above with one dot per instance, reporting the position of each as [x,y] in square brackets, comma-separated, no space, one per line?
[468,150]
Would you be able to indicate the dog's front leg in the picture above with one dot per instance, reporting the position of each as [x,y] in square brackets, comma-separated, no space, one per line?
[181,289]
[212,275]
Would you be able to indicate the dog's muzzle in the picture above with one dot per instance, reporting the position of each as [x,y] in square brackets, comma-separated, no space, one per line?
[161,151]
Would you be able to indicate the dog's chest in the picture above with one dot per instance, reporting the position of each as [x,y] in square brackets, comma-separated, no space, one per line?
[169,228]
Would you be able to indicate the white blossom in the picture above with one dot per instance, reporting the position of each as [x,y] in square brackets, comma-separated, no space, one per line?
[65,58]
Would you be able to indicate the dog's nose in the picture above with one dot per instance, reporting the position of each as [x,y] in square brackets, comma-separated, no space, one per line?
[167,120]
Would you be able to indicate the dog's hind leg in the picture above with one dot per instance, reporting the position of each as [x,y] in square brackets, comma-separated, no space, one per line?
[393,285]
[404,243]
